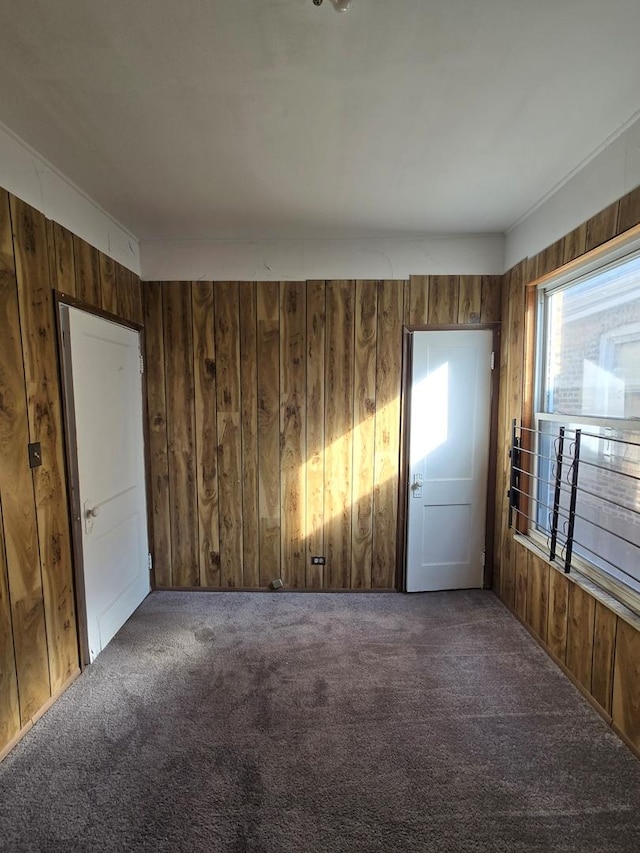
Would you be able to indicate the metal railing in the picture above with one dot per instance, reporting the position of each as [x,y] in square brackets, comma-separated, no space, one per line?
[577,499]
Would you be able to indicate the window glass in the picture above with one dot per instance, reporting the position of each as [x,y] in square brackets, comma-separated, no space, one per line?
[593,345]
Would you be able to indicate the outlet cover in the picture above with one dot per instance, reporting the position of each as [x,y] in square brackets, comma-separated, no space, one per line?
[318,561]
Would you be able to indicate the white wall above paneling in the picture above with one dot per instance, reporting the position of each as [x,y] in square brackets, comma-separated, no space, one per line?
[25,174]
[266,260]
[610,174]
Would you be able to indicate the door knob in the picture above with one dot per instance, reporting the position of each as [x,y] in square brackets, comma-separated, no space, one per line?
[93,512]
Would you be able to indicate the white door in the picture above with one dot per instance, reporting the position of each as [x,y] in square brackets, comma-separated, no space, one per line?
[449,456]
[107,401]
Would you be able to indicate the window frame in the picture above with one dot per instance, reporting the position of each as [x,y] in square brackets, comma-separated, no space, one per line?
[607,257]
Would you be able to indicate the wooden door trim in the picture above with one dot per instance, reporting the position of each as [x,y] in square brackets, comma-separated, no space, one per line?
[405,409]
[71,458]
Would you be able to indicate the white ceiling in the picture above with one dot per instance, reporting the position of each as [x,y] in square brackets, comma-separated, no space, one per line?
[200,119]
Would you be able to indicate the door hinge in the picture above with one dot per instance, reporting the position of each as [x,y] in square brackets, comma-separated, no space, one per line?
[141,357]
[493,360]
[150,562]
[483,558]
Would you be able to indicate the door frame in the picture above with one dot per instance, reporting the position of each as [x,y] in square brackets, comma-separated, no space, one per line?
[71,457]
[405,420]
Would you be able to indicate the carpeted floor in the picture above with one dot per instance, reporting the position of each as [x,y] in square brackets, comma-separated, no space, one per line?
[292,723]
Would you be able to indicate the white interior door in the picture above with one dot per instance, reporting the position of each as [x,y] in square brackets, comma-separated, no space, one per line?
[107,400]
[449,455]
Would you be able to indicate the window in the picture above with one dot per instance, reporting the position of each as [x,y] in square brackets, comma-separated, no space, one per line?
[587,422]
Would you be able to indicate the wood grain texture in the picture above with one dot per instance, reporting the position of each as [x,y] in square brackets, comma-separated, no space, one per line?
[503,440]
[179,383]
[604,641]
[206,432]
[293,450]
[157,434]
[626,682]
[87,269]
[249,417]
[268,346]
[124,292]
[227,342]
[629,214]
[17,497]
[443,300]
[339,366]
[470,299]
[538,596]
[387,436]
[364,411]
[557,625]
[603,226]
[61,259]
[9,705]
[575,244]
[491,307]
[520,565]
[580,625]
[229,474]
[550,258]
[417,310]
[137,315]
[45,426]
[314,468]
[108,289]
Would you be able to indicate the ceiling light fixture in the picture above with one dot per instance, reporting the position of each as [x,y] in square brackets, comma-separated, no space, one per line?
[338,5]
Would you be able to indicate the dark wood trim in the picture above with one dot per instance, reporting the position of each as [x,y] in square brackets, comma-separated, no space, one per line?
[403,478]
[73,496]
[493,459]
[405,409]
[73,302]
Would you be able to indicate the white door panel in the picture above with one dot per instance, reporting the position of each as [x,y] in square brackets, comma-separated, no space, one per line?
[107,392]
[448,451]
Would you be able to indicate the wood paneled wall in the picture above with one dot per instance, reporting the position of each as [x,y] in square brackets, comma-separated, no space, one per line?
[274,422]
[592,638]
[38,637]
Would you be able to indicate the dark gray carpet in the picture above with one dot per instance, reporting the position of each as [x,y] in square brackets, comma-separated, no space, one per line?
[254,723]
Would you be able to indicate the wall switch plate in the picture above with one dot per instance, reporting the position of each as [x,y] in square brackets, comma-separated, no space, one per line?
[277,584]
[318,561]
[35,455]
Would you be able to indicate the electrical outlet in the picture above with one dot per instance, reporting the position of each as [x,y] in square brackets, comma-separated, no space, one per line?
[318,561]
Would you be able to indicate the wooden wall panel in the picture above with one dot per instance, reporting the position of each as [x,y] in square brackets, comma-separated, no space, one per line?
[387,436]
[626,682]
[604,640]
[364,400]
[158,450]
[416,309]
[537,613]
[268,347]
[491,305]
[179,382]
[315,430]
[124,292]
[293,449]
[250,450]
[599,648]
[470,299]
[206,432]
[61,258]
[9,705]
[339,366]
[87,269]
[580,625]
[227,325]
[45,426]
[108,287]
[443,300]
